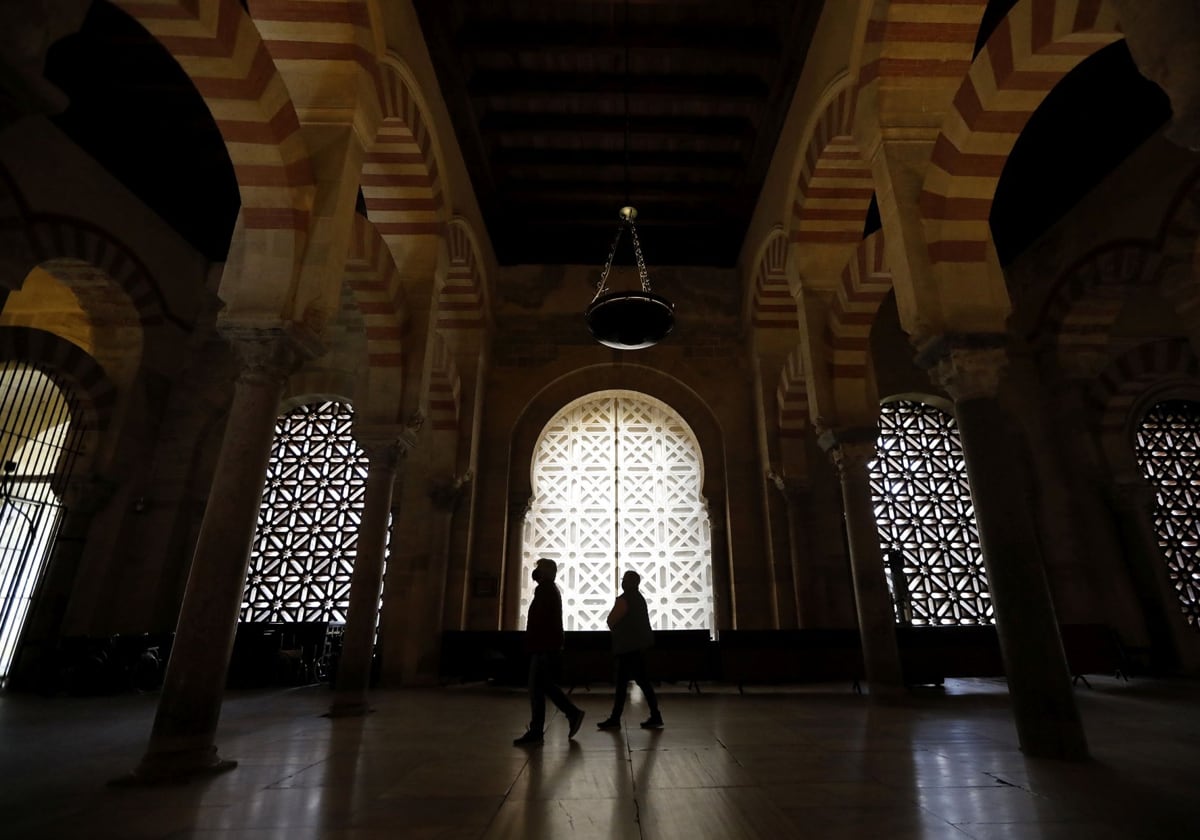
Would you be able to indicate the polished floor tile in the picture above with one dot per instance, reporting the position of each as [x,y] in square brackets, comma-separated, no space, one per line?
[811,762]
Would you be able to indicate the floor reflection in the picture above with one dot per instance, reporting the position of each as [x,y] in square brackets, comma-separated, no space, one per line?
[819,762]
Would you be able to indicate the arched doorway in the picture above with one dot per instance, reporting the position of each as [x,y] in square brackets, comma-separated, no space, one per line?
[616,479]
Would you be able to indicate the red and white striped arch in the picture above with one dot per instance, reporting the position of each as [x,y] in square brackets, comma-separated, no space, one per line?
[371,275]
[444,388]
[68,366]
[834,185]
[1079,314]
[218,46]
[772,306]
[865,283]
[920,39]
[401,180]
[323,48]
[57,241]
[1123,386]
[461,301]
[1037,43]
[1181,246]
[791,396]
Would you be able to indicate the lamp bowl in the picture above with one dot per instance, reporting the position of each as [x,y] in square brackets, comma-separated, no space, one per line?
[630,320]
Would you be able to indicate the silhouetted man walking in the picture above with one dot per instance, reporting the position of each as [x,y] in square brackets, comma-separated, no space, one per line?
[543,643]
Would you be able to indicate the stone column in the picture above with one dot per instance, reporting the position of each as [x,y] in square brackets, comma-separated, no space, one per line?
[518,509]
[181,743]
[1047,719]
[384,453]
[427,610]
[1071,569]
[1135,501]
[794,491]
[851,450]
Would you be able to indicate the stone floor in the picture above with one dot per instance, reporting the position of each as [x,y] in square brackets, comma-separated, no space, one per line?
[817,762]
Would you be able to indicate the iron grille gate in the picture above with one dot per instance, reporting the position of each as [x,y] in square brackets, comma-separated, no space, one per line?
[38,448]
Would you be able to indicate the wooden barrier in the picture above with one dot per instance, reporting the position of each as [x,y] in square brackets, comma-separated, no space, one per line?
[928,655]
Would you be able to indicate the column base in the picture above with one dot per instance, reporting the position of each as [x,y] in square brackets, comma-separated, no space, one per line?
[887,693]
[167,768]
[349,707]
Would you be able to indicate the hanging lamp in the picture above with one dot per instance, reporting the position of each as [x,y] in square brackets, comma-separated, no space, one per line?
[628,320]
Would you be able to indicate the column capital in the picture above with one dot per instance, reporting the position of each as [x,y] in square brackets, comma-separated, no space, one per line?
[385,441]
[966,365]
[519,506]
[270,353]
[849,449]
[793,488]
[445,493]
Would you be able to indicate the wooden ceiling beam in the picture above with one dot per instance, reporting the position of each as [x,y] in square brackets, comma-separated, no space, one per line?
[510,36]
[541,123]
[715,86]
[684,159]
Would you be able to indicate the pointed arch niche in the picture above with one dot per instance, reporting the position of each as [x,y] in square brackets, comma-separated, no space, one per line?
[617,481]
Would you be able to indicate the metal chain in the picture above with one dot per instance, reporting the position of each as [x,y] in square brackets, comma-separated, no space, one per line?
[602,286]
[643,275]
[637,253]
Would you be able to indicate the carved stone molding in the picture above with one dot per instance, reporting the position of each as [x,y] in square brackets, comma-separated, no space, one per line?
[445,493]
[966,365]
[270,354]
[793,489]
[850,449]
[519,507]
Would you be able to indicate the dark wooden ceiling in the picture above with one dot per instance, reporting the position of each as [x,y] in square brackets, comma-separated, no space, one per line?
[566,110]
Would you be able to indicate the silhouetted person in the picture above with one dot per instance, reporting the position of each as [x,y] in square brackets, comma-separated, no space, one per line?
[543,643]
[632,636]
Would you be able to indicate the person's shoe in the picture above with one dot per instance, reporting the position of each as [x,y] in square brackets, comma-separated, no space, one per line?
[609,723]
[529,739]
[653,722]
[576,719]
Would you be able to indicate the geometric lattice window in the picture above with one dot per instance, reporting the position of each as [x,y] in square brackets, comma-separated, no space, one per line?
[1167,446]
[616,481]
[926,518]
[307,534]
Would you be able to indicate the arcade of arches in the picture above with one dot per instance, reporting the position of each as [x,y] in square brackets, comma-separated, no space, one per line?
[897,407]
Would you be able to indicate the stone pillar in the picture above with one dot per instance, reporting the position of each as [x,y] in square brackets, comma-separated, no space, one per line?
[1135,501]
[794,491]
[1164,37]
[384,453]
[518,509]
[851,450]
[1047,719]
[1071,569]
[426,613]
[181,743]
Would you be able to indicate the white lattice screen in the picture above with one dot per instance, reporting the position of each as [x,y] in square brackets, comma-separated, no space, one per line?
[616,487]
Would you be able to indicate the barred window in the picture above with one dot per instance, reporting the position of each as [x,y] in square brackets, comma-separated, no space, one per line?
[617,477]
[1167,445]
[926,518]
